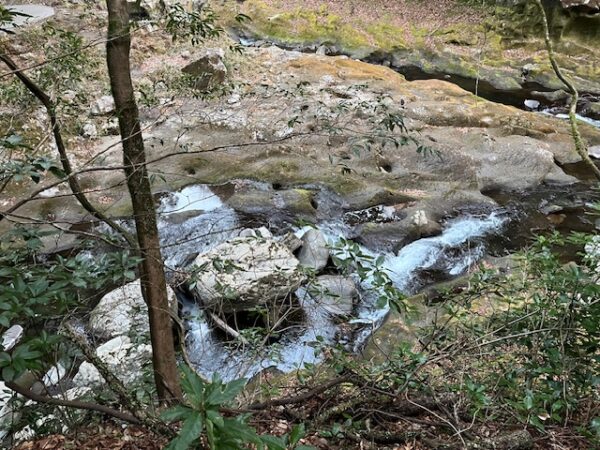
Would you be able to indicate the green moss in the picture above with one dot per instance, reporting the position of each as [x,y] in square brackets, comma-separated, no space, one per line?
[386,36]
[304,26]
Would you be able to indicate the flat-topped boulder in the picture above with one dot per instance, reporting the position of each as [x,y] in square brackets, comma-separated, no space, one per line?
[242,273]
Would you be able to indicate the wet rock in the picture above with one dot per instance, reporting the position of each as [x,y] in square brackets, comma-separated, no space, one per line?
[386,237]
[208,70]
[295,201]
[122,357]
[335,293]
[123,311]
[242,273]
[553,96]
[103,106]
[425,226]
[314,252]
[594,151]
[591,110]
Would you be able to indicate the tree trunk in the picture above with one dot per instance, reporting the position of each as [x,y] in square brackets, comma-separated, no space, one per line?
[154,287]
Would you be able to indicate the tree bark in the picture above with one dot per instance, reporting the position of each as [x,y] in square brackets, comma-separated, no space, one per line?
[580,145]
[154,287]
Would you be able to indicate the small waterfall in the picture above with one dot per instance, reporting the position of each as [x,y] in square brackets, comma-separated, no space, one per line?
[193,221]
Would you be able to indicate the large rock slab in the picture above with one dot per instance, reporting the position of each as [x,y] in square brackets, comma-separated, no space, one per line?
[244,272]
[27,15]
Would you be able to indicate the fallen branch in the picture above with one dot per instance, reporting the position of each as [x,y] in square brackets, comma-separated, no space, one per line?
[72,403]
[227,329]
[302,397]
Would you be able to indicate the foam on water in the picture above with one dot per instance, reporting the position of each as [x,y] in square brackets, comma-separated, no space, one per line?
[424,253]
[191,198]
[592,122]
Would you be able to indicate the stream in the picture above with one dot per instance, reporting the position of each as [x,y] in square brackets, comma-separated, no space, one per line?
[198,218]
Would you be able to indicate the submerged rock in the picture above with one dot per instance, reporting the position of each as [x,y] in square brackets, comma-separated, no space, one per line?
[242,273]
[334,293]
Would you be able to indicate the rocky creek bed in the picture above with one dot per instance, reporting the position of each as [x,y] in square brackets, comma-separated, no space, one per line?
[495,175]
[319,305]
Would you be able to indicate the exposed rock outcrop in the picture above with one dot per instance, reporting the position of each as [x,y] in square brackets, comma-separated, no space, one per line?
[208,70]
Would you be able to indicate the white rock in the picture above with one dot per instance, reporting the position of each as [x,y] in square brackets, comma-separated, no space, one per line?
[262,232]
[25,434]
[11,337]
[89,131]
[8,416]
[31,14]
[69,96]
[123,311]
[122,357]
[594,151]
[54,375]
[531,104]
[103,105]
[419,218]
[243,272]
[234,98]
[75,393]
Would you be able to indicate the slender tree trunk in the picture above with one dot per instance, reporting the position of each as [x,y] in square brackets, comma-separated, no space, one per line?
[62,150]
[154,287]
[580,144]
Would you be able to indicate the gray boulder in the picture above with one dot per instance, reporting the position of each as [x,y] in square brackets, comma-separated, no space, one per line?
[335,293]
[208,69]
[103,106]
[245,272]
[314,253]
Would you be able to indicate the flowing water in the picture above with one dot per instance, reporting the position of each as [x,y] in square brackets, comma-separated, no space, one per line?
[196,219]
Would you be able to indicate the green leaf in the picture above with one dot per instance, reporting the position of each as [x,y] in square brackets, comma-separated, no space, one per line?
[274,442]
[215,417]
[190,431]
[8,373]
[297,433]
[176,413]
[193,385]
